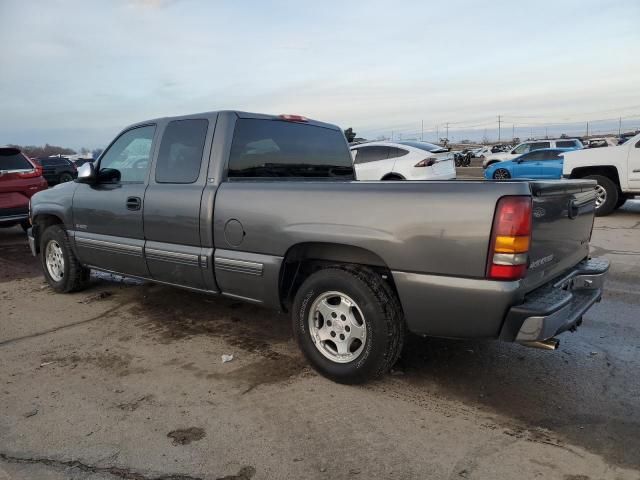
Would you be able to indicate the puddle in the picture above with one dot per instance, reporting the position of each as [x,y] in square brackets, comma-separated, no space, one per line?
[185,436]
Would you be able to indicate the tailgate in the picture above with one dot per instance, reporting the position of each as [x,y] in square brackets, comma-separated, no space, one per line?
[563,213]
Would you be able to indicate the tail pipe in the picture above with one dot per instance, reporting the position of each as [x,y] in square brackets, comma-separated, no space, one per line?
[549,344]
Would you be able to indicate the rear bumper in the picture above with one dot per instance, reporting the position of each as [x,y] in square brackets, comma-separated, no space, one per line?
[559,306]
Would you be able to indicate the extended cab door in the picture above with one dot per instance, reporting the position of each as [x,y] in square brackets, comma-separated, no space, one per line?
[172,204]
[107,215]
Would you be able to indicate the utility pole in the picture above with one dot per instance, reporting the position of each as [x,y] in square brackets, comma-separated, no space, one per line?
[437,134]
[421,130]
[546,132]
[619,126]
[587,135]
[499,129]
[513,131]
[447,132]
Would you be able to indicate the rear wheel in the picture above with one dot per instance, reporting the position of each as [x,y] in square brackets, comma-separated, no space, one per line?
[501,174]
[60,265]
[607,195]
[348,324]
[392,176]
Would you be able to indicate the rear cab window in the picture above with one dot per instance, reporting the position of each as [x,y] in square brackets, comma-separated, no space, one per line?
[566,144]
[278,149]
[13,159]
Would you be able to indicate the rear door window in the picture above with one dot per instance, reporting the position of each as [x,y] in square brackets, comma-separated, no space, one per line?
[373,154]
[181,149]
[566,144]
[397,152]
[11,159]
[281,149]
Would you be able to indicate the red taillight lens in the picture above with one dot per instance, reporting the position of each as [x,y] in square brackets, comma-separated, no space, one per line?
[293,118]
[29,174]
[510,239]
[427,162]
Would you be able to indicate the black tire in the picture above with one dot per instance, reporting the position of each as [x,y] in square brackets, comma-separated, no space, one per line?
[392,178]
[382,317]
[74,276]
[612,194]
[65,177]
[621,201]
[501,174]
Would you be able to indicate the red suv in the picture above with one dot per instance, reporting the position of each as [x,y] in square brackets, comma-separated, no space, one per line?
[20,178]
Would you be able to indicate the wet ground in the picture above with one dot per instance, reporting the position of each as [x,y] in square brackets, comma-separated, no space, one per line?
[125,380]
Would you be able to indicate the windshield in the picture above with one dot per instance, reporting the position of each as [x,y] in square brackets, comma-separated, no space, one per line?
[429,147]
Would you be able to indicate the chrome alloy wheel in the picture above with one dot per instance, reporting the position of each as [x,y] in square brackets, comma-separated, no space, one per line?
[337,327]
[601,196]
[54,259]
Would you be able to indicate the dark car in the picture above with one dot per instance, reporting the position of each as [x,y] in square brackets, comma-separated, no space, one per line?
[81,161]
[57,169]
[20,178]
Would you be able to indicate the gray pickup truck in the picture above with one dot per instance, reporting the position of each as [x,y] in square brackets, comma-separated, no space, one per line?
[266,209]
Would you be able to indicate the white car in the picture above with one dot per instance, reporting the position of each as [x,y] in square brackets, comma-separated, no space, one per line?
[530,146]
[402,161]
[615,169]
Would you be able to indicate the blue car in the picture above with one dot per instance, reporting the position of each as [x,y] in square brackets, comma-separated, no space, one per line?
[543,163]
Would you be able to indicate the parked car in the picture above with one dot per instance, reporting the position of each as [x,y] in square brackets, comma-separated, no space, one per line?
[615,169]
[411,160]
[20,178]
[264,209]
[530,146]
[601,142]
[58,169]
[544,163]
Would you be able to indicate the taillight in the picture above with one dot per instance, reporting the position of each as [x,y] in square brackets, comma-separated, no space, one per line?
[510,239]
[294,118]
[30,173]
[427,162]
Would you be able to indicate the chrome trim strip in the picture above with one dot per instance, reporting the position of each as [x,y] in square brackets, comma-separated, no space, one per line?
[238,266]
[108,246]
[173,257]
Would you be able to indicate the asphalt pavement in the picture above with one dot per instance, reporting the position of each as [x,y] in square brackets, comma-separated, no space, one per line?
[126,381]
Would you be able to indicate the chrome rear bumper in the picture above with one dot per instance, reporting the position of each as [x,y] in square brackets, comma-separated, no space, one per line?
[558,306]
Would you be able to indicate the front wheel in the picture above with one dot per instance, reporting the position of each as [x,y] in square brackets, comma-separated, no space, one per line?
[348,323]
[60,265]
[501,174]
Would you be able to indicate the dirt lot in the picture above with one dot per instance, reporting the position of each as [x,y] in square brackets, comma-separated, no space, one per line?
[125,381]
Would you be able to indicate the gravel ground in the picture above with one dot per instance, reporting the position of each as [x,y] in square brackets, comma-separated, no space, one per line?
[125,381]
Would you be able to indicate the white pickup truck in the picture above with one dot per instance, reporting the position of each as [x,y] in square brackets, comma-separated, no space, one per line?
[616,169]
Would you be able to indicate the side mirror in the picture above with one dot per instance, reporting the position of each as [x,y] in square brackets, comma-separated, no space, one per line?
[87,173]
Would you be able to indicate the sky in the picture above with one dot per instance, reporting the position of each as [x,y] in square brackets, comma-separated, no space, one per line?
[74,73]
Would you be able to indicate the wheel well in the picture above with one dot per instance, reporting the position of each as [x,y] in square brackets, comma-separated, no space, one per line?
[42,222]
[304,259]
[608,171]
[393,176]
[492,162]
